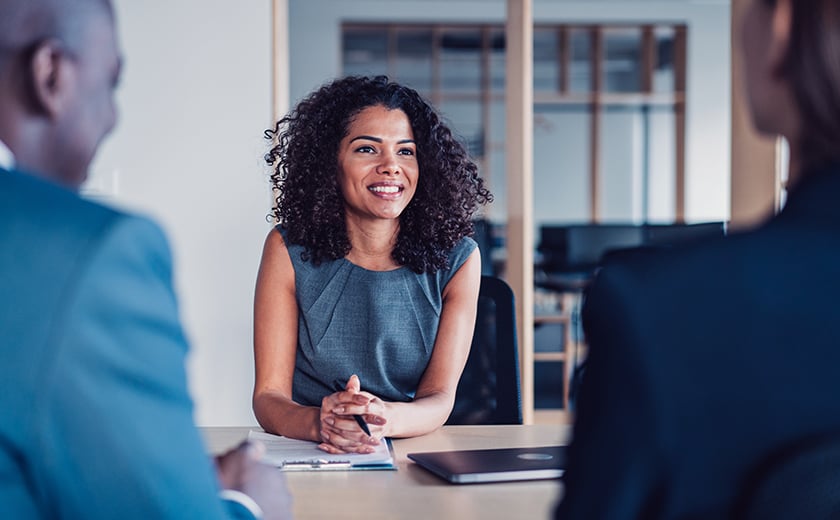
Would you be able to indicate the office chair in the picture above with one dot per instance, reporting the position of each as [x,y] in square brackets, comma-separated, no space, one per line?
[675,234]
[489,391]
[483,236]
[801,480]
[578,248]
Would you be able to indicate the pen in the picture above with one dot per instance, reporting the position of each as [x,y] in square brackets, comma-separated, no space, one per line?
[361,422]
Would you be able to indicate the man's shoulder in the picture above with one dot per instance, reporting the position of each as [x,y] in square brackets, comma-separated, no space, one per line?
[26,198]
[36,209]
[54,230]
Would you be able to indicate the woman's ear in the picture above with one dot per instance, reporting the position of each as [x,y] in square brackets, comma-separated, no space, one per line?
[50,75]
[780,37]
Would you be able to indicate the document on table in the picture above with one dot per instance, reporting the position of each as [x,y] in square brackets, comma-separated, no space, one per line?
[297,455]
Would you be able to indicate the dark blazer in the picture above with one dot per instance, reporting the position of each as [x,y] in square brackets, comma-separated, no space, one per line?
[96,418]
[704,360]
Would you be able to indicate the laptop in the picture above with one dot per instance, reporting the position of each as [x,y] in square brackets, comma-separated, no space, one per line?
[494,465]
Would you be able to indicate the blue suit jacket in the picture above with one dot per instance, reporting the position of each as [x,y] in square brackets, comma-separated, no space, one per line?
[706,359]
[96,419]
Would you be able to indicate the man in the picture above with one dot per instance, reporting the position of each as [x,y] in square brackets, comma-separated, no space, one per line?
[709,361]
[97,420]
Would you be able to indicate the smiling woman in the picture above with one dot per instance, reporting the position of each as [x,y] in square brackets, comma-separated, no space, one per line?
[370,277]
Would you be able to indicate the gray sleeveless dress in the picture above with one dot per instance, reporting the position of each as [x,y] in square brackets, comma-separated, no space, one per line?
[380,325]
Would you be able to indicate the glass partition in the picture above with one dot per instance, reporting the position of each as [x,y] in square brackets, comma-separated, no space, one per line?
[365,52]
[621,66]
[413,60]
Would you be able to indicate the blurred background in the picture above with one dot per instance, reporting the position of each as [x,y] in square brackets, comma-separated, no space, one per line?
[632,132]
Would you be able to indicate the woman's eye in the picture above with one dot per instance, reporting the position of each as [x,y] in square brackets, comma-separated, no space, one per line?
[406,151]
[365,149]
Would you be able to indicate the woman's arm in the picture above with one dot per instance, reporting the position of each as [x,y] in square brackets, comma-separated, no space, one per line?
[275,345]
[436,391]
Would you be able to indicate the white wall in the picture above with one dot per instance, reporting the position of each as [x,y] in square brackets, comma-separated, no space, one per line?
[194,101]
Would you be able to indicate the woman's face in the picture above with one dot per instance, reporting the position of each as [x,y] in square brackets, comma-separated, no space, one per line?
[377,164]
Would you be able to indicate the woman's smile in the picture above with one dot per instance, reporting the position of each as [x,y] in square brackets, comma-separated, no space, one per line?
[387,190]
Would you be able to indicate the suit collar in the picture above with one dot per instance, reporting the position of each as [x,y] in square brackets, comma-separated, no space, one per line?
[816,195]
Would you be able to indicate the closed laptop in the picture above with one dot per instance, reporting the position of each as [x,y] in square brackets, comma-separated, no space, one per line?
[494,465]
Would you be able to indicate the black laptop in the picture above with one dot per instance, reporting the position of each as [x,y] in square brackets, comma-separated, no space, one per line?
[494,465]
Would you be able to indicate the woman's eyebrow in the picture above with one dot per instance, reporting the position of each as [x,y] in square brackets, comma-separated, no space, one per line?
[379,140]
[366,137]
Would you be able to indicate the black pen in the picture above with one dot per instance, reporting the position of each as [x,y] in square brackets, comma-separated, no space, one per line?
[362,424]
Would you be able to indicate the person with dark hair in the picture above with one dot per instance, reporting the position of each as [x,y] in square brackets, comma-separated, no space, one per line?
[96,416]
[370,278]
[707,361]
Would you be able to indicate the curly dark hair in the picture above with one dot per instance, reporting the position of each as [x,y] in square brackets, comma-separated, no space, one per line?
[308,202]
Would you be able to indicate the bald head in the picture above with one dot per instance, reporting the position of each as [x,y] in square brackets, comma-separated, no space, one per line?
[59,65]
[23,23]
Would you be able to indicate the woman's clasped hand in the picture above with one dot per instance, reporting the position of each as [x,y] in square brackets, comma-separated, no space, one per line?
[340,431]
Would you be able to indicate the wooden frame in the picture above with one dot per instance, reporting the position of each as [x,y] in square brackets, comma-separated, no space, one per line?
[280,58]
[519,110]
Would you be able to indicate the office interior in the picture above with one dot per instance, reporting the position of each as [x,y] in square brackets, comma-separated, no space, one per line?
[636,119]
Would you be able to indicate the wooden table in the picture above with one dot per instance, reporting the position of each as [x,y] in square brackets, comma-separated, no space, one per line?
[411,492]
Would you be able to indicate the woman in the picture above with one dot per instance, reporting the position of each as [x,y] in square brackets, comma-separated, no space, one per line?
[370,280]
[710,364]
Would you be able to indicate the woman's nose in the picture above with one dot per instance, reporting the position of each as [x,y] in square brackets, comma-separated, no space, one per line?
[389,164]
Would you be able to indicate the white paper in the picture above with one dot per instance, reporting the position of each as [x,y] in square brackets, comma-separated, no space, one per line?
[290,454]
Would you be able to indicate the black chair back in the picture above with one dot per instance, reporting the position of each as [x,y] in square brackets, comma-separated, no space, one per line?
[580,248]
[799,481]
[489,391]
[483,236]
